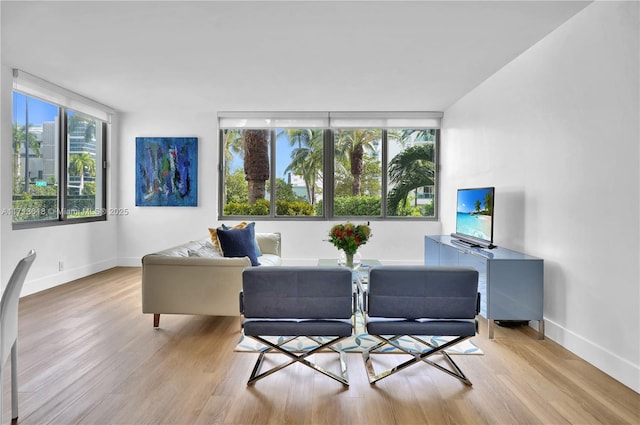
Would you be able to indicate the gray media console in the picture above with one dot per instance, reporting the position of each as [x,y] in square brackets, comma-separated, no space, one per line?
[510,283]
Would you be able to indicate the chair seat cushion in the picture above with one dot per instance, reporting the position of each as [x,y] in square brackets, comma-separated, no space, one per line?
[294,327]
[270,260]
[385,326]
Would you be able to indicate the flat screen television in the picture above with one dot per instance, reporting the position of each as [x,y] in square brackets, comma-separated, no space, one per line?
[474,217]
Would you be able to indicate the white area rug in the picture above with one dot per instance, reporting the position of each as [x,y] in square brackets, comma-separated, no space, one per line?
[359,342]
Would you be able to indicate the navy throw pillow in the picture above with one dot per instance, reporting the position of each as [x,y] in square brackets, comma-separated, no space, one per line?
[238,243]
[252,226]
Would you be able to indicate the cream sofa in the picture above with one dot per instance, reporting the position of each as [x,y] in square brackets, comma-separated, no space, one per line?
[193,278]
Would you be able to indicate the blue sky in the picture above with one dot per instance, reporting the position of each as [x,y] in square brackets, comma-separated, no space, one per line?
[467,199]
[283,159]
[39,111]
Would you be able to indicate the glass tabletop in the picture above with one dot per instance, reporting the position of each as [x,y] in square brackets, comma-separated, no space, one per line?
[366,262]
[361,273]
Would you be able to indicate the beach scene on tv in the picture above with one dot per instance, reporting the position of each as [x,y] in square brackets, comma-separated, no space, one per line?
[475,212]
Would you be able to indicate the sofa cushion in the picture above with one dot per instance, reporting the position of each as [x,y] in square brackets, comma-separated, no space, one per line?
[238,243]
[269,243]
[205,252]
[270,260]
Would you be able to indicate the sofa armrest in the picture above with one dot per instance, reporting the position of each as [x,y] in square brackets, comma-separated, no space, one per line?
[191,285]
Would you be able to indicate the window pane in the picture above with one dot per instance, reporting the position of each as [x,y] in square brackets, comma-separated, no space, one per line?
[246,162]
[357,172]
[299,171]
[411,172]
[84,159]
[35,159]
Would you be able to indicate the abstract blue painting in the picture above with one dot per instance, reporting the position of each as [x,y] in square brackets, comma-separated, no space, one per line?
[167,171]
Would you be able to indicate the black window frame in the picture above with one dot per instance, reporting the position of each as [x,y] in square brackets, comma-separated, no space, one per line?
[328,182]
[62,158]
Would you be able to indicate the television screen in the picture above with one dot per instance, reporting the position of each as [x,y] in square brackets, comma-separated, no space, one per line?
[474,219]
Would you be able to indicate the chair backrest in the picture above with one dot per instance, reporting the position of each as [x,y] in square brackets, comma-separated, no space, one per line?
[9,305]
[415,292]
[297,292]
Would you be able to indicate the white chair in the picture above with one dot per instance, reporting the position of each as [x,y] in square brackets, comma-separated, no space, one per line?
[9,328]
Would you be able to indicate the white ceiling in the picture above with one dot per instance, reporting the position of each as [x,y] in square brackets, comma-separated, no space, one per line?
[273,55]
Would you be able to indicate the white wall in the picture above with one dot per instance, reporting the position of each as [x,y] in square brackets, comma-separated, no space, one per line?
[147,229]
[556,131]
[84,248]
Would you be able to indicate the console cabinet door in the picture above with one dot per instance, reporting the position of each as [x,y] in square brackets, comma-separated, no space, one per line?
[449,256]
[516,290]
[480,264]
[431,252]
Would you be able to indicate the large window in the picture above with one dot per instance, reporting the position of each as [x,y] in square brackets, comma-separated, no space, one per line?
[329,165]
[59,163]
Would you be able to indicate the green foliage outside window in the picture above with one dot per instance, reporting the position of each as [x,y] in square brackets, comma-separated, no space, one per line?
[284,192]
[357,206]
[408,210]
[236,187]
[259,207]
[294,208]
[347,206]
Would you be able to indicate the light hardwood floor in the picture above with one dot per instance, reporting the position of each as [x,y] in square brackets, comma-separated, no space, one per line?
[87,355]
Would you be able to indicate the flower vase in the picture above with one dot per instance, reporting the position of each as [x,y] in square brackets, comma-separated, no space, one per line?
[349,261]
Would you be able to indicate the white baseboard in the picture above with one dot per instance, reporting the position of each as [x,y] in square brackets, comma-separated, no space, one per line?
[130,262]
[37,285]
[610,363]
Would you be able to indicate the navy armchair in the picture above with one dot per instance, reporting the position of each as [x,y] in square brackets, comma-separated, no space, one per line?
[291,302]
[415,301]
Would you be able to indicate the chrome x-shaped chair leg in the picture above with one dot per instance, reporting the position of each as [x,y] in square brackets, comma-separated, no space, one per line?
[301,358]
[454,370]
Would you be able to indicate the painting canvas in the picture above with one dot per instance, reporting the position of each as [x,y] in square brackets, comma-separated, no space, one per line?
[167,171]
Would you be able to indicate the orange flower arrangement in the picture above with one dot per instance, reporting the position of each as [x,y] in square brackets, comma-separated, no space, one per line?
[349,237]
